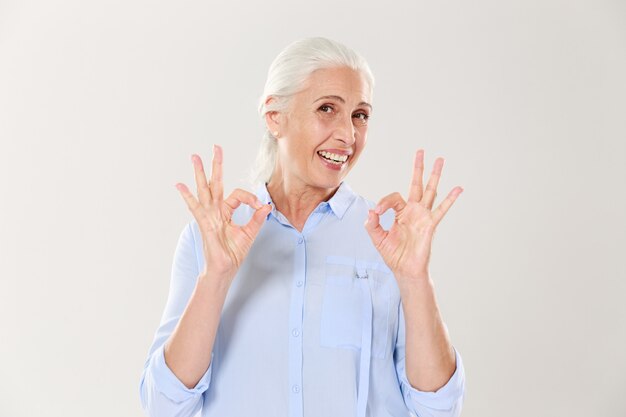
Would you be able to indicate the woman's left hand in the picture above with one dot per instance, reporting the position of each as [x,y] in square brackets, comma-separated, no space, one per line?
[405,247]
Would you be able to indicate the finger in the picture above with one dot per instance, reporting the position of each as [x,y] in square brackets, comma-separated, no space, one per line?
[256,222]
[189,198]
[445,205]
[204,194]
[216,186]
[239,196]
[374,229]
[393,200]
[431,188]
[416,189]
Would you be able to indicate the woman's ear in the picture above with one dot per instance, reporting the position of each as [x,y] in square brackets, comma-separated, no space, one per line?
[273,119]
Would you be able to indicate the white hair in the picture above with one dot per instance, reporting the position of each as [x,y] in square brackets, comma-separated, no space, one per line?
[286,76]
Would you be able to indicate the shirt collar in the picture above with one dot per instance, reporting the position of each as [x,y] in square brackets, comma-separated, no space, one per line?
[338,203]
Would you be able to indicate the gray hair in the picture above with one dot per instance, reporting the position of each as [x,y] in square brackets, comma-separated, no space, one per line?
[286,76]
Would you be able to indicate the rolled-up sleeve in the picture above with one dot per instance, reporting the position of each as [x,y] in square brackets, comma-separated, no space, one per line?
[161,392]
[447,401]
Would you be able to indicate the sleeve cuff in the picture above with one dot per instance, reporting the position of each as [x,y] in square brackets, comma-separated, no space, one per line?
[169,384]
[445,397]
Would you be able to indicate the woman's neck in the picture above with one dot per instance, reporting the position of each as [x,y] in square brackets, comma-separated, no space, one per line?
[296,200]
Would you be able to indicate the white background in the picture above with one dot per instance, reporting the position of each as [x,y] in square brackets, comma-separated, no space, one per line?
[102,103]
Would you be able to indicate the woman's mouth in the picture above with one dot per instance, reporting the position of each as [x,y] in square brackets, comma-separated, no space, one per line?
[332,160]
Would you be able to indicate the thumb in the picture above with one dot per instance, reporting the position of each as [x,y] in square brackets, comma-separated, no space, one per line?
[374,229]
[258,219]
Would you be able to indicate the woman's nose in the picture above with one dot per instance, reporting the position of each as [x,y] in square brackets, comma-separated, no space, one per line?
[345,131]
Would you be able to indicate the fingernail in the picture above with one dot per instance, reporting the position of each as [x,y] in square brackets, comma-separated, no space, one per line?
[257,204]
[377,210]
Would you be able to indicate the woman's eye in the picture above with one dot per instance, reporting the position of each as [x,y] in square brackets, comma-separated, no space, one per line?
[362,116]
[324,107]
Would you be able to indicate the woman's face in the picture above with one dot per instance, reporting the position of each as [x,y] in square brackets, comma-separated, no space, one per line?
[326,121]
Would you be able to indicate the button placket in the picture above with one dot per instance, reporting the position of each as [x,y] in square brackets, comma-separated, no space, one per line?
[296,317]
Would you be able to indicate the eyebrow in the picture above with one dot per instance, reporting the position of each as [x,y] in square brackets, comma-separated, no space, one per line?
[339,98]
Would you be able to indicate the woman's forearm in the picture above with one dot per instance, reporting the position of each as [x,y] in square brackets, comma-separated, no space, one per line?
[188,349]
[430,359]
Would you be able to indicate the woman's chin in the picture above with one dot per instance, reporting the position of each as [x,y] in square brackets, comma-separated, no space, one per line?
[328,183]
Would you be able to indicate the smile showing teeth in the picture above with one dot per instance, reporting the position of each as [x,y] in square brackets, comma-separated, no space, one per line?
[333,157]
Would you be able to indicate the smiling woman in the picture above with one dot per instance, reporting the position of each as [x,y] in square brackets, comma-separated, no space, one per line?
[294,68]
[320,137]
[305,291]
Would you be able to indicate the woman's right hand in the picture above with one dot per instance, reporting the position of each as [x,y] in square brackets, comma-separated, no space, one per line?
[225,243]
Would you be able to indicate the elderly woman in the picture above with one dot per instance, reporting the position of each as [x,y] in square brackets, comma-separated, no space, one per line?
[306,299]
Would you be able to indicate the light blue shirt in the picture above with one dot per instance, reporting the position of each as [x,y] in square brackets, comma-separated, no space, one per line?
[312,326]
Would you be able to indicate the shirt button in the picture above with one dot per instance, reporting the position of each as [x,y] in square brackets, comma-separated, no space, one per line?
[299,283]
[295,388]
[295,332]
[300,240]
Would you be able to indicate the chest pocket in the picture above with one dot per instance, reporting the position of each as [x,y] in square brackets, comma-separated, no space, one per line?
[345,307]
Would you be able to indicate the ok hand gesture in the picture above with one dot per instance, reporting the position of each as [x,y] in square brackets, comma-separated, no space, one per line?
[225,244]
[406,246]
